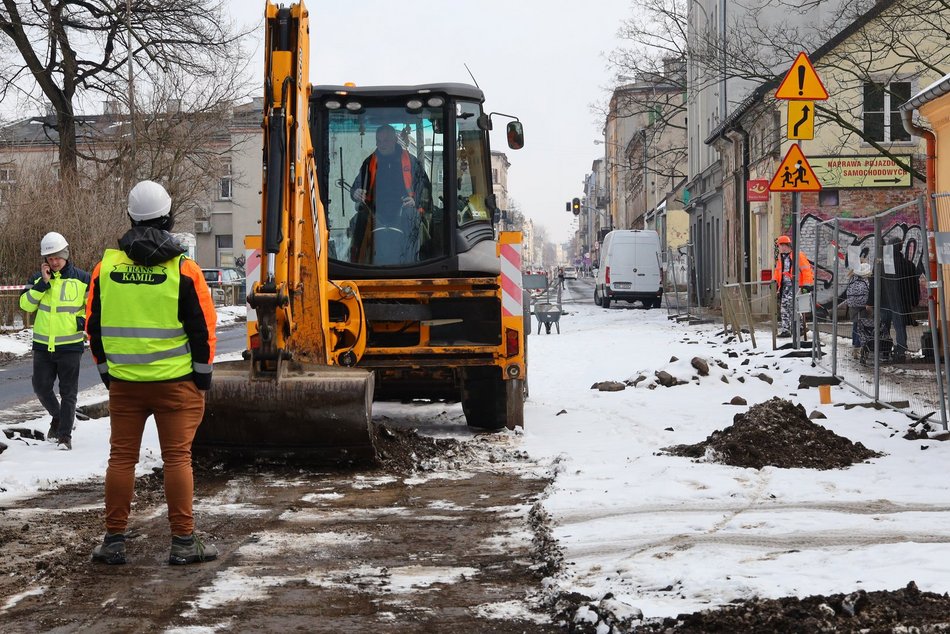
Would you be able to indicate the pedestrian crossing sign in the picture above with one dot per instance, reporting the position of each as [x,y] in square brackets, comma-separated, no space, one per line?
[794,174]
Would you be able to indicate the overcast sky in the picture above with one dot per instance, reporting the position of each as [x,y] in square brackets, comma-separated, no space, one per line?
[543,62]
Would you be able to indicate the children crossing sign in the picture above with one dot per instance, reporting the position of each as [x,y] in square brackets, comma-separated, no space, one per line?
[794,174]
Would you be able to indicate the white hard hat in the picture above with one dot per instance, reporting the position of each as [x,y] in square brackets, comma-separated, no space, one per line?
[149,200]
[52,243]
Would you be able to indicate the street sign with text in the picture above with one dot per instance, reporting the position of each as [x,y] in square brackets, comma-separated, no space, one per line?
[860,171]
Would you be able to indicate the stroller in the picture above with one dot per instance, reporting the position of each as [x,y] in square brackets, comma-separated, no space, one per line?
[866,337]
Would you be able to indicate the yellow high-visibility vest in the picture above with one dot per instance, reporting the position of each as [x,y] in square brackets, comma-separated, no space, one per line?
[56,310]
[141,334]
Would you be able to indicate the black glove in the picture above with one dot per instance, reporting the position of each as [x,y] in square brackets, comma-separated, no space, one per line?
[202,380]
[105,378]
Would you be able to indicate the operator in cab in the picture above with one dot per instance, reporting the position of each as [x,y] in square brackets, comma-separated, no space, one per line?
[392,194]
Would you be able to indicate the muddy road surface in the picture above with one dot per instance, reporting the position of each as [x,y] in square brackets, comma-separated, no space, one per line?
[443,536]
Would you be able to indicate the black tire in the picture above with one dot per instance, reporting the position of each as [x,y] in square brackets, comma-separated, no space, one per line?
[597,300]
[605,300]
[484,399]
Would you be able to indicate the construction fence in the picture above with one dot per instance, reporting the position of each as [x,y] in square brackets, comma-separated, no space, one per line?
[873,313]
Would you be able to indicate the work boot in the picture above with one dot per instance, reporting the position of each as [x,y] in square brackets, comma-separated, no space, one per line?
[188,549]
[111,551]
[64,444]
[53,430]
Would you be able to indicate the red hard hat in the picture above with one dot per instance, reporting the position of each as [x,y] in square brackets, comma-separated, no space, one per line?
[783,240]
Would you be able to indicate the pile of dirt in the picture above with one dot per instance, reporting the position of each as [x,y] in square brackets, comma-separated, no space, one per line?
[905,610]
[776,433]
[404,450]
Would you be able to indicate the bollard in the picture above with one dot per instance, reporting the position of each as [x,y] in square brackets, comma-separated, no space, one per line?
[824,394]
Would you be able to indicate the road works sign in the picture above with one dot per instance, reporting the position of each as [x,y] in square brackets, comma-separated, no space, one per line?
[852,172]
[802,82]
[794,174]
[801,120]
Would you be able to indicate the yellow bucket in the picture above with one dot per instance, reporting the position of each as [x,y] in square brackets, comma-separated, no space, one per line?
[824,394]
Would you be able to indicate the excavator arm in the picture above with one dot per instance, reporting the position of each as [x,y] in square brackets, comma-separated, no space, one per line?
[293,393]
[292,299]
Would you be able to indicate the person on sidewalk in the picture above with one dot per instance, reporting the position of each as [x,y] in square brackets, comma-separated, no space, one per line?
[782,274]
[57,294]
[900,295]
[151,325]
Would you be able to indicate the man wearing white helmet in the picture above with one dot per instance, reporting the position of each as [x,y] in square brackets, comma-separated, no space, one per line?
[151,325]
[57,294]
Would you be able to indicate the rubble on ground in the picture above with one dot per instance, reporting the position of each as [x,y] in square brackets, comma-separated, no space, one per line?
[780,434]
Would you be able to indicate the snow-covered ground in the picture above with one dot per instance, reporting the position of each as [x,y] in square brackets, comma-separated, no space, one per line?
[666,534]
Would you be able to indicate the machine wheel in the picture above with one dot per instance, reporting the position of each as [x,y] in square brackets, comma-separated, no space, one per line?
[605,301]
[597,300]
[484,398]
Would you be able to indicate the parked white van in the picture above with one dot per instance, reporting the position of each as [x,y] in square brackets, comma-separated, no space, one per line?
[629,269]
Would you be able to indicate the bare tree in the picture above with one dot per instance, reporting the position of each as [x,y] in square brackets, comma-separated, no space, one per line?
[67,51]
[905,39]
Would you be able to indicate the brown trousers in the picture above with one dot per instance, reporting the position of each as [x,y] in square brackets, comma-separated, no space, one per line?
[178,407]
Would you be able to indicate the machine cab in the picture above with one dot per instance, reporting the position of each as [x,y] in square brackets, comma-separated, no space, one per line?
[405,179]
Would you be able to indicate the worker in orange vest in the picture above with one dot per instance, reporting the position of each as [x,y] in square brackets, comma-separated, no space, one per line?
[782,274]
[392,193]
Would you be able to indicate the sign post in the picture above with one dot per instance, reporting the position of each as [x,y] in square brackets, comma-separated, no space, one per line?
[801,87]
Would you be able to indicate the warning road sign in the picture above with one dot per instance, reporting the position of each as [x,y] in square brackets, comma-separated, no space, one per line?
[802,82]
[794,174]
[801,120]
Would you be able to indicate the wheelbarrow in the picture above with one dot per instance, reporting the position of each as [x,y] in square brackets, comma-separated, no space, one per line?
[548,315]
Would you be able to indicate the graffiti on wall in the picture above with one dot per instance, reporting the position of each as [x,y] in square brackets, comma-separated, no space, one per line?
[855,236]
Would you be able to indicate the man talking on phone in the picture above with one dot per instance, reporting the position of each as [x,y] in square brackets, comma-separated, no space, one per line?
[57,294]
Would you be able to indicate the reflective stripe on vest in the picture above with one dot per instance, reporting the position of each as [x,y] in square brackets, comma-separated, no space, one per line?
[56,311]
[141,334]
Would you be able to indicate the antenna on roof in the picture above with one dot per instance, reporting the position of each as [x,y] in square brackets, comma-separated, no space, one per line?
[471,75]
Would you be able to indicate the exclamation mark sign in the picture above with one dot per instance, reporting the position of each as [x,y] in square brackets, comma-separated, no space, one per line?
[801,80]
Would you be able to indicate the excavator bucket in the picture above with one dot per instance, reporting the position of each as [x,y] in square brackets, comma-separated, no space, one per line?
[317,413]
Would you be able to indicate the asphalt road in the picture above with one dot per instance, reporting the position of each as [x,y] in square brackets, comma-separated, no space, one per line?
[18,403]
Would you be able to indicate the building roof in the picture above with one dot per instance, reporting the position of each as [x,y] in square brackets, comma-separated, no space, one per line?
[937,89]
[41,130]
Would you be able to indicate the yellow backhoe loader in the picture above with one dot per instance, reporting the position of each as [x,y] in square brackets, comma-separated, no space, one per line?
[354,297]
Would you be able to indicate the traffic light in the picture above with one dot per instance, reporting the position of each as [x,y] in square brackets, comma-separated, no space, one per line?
[567,206]
[576,206]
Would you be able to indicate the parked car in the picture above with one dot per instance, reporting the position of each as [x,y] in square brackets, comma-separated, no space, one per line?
[230,280]
[570,273]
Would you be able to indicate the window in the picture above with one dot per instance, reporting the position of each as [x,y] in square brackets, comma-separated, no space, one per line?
[494,175]
[828,198]
[882,117]
[7,175]
[224,184]
[224,250]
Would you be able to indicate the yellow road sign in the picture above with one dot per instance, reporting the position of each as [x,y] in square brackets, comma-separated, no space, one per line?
[794,174]
[860,171]
[802,82]
[801,120]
